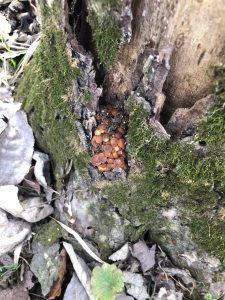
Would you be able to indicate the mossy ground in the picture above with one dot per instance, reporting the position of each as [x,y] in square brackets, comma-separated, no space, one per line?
[48,233]
[44,90]
[175,173]
[105,29]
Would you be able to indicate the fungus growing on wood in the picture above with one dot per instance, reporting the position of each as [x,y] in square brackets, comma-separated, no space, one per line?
[108,143]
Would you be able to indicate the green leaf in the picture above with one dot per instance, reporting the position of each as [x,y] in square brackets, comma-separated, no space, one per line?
[208,296]
[106,282]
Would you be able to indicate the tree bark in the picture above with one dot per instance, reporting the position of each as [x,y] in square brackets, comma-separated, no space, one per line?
[193,31]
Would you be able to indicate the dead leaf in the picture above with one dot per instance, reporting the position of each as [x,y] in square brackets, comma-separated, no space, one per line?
[31,209]
[136,285]
[121,254]
[75,290]
[5,26]
[56,288]
[41,172]
[163,294]
[17,252]
[30,182]
[145,255]
[81,269]
[31,185]
[12,233]
[41,159]
[16,144]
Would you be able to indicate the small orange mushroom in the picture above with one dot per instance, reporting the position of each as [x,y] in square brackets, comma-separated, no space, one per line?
[121,153]
[110,161]
[95,160]
[119,162]
[111,155]
[100,129]
[118,135]
[98,159]
[105,138]
[108,154]
[94,144]
[114,141]
[106,147]
[115,154]
[117,148]
[121,143]
[104,168]
[97,139]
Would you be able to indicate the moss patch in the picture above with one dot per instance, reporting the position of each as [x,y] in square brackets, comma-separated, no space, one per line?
[49,233]
[86,96]
[44,89]
[172,174]
[212,129]
[105,28]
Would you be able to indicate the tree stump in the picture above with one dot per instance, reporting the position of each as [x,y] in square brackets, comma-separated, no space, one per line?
[144,60]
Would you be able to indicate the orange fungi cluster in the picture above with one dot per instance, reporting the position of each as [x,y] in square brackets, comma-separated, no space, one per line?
[108,144]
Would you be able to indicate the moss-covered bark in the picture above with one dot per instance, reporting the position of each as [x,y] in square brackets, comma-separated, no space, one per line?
[166,175]
[45,90]
[211,130]
[177,174]
[104,20]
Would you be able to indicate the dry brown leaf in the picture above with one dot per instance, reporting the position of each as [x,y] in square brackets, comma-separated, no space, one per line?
[56,288]
[30,182]
[31,185]
[145,255]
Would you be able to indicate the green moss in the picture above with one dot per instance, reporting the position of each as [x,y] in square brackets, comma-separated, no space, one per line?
[212,129]
[53,12]
[86,96]
[105,29]
[207,229]
[172,172]
[48,234]
[109,4]
[44,89]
